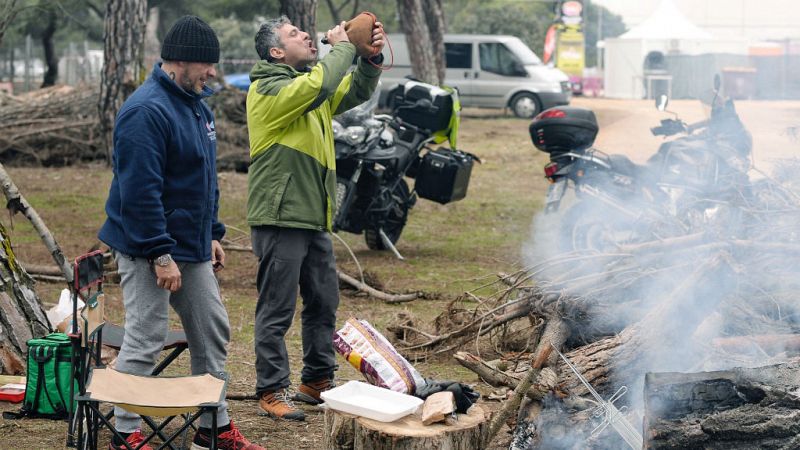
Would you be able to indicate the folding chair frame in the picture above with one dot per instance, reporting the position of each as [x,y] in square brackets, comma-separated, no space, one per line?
[94,416]
[87,274]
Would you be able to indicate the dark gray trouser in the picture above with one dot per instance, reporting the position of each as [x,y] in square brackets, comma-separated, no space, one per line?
[288,257]
[199,306]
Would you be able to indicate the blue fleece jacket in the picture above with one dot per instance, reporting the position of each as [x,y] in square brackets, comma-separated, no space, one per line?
[164,196]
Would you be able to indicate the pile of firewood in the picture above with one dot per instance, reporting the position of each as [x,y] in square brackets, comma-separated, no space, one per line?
[698,302]
[59,126]
[53,126]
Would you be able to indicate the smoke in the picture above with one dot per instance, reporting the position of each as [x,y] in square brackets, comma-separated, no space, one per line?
[692,266]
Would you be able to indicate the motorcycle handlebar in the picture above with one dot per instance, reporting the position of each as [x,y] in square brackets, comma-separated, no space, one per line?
[668,127]
[696,126]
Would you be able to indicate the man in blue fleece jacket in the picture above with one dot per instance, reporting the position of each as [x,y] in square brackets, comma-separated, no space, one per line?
[162,221]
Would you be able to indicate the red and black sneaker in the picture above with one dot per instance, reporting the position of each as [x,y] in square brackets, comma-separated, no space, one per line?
[229,440]
[133,440]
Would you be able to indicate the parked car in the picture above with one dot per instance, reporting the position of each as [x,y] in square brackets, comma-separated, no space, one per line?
[491,71]
[238,80]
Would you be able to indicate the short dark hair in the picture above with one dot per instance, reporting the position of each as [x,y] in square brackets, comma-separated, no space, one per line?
[267,37]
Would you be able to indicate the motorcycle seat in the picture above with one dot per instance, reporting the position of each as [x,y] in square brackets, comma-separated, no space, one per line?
[625,166]
[395,155]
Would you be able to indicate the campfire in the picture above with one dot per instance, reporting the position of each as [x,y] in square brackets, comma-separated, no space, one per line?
[692,338]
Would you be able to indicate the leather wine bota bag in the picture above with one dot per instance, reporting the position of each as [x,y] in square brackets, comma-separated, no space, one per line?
[359,32]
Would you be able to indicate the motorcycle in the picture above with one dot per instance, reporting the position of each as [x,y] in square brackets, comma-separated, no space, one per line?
[374,154]
[693,183]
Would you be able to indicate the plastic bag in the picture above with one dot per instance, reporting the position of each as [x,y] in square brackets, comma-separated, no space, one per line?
[372,355]
[60,315]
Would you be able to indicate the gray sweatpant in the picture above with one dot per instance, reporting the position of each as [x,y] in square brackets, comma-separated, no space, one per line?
[199,306]
[288,257]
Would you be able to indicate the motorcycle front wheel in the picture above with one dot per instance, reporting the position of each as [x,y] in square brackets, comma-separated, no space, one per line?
[588,227]
[395,221]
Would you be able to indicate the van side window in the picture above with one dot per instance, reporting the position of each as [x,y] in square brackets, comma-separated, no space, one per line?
[458,56]
[497,58]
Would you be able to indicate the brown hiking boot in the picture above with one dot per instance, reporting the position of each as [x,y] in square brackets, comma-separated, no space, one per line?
[309,392]
[278,404]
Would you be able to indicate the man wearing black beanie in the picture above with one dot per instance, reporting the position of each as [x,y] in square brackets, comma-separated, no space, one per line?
[162,223]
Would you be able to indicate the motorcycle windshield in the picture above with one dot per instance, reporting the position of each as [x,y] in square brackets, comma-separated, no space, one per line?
[362,112]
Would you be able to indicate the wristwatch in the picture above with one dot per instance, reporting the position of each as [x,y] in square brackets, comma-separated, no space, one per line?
[163,260]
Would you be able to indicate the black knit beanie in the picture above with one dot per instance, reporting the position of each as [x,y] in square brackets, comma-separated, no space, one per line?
[191,40]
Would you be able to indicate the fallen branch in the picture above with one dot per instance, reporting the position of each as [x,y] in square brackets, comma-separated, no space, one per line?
[769,343]
[495,377]
[240,396]
[232,247]
[17,203]
[372,292]
[358,285]
[510,311]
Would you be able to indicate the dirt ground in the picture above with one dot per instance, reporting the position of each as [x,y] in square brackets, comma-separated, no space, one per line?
[449,249]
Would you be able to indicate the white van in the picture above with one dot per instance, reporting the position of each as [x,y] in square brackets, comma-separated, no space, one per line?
[489,71]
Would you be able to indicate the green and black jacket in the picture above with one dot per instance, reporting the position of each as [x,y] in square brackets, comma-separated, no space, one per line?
[292,175]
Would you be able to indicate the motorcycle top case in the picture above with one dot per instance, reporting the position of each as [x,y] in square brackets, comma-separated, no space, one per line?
[435,119]
[564,128]
[443,175]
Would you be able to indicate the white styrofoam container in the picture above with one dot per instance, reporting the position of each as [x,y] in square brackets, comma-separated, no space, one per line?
[370,401]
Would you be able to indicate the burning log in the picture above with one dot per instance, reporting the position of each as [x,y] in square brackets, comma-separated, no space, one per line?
[737,408]
[634,348]
[522,389]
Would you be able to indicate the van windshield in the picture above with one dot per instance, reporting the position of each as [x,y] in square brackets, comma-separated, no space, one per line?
[521,51]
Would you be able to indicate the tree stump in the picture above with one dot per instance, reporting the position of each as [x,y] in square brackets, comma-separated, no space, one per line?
[348,432]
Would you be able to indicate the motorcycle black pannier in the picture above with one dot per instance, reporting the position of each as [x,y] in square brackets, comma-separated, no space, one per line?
[443,175]
[433,119]
[564,128]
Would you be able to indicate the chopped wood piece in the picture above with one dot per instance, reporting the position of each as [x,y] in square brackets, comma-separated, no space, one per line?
[438,407]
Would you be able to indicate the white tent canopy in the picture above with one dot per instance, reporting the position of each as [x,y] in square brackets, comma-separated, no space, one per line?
[666,22]
[666,32]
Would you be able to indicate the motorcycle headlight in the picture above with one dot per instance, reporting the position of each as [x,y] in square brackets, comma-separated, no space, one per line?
[355,135]
[338,129]
[387,138]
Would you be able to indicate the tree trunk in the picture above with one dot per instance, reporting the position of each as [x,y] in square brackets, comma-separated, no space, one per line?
[347,432]
[418,40]
[123,69]
[8,11]
[21,313]
[336,11]
[152,46]
[434,16]
[303,14]
[50,58]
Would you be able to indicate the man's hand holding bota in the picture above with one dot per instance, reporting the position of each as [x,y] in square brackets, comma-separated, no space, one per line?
[378,39]
[337,34]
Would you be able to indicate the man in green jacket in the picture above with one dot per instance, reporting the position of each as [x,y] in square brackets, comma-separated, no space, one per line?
[292,199]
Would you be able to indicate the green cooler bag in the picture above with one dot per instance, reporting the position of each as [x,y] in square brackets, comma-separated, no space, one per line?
[47,391]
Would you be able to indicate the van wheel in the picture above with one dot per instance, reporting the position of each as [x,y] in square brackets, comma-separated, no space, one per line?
[525,105]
